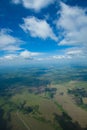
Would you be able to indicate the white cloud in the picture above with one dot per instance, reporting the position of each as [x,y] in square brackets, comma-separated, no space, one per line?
[59,57]
[73,21]
[8,42]
[28,54]
[16,1]
[11,48]
[23,55]
[74,52]
[34,4]
[9,57]
[38,28]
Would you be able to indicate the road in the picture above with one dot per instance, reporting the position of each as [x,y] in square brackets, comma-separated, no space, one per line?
[24,123]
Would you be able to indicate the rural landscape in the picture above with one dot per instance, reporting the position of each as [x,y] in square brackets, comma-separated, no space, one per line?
[43,64]
[43,98]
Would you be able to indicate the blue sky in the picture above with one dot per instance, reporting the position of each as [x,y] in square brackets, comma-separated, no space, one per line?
[42,31]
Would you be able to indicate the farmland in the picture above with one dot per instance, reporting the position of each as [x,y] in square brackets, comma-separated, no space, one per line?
[39,98]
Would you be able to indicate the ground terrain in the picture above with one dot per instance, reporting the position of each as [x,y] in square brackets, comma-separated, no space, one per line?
[43,98]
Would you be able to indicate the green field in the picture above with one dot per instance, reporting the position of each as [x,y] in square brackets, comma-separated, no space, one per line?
[43,99]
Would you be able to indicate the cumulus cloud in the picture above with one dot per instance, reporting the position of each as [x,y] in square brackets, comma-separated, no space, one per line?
[28,54]
[8,42]
[73,22]
[38,28]
[36,5]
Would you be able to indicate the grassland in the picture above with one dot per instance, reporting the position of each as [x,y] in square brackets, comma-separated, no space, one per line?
[28,100]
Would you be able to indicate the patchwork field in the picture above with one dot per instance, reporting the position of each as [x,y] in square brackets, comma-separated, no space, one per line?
[43,99]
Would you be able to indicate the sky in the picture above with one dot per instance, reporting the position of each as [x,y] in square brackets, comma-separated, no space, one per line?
[43,31]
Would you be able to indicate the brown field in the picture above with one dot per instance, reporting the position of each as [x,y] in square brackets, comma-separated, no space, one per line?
[85,100]
[78,114]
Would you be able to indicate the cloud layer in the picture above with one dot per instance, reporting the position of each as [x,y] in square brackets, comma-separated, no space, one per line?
[23,55]
[69,25]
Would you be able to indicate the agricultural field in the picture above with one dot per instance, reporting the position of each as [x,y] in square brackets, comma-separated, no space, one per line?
[43,98]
